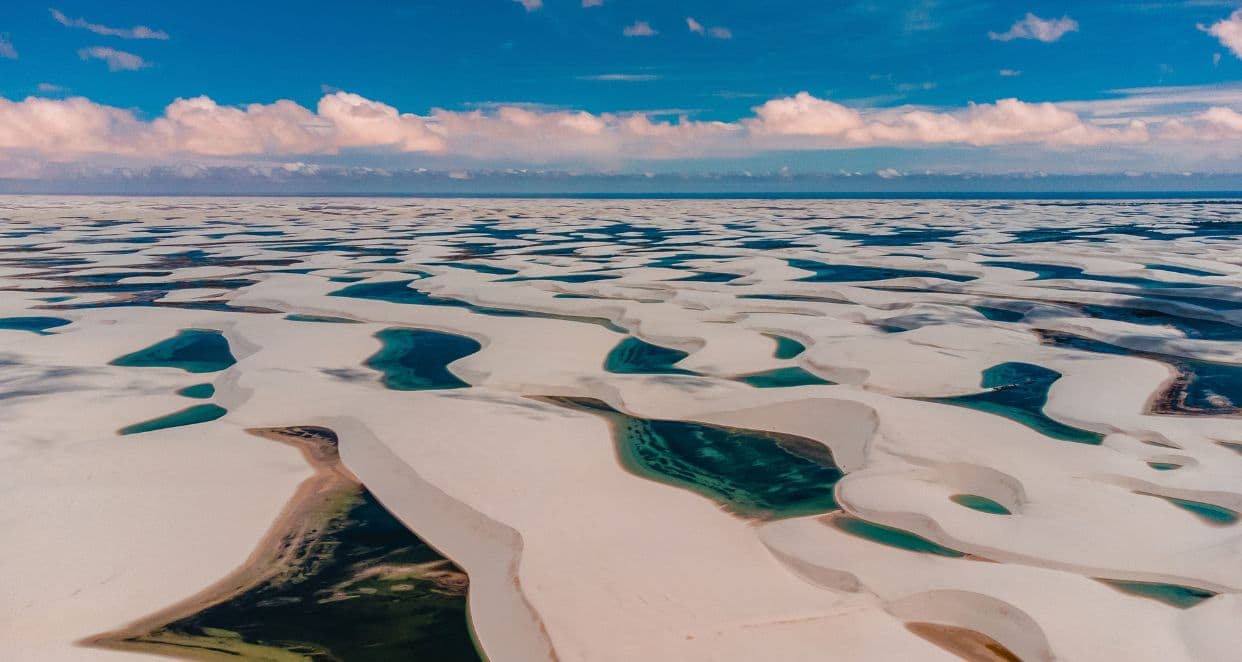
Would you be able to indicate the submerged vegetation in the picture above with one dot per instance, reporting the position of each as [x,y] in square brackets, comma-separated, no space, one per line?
[337,578]
[752,473]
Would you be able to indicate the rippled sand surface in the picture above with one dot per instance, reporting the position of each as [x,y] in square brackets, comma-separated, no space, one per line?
[645,430]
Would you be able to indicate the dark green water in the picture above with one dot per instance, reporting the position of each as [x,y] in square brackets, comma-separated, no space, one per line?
[782,377]
[400,292]
[187,416]
[633,356]
[999,314]
[1182,270]
[198,391]
[1057,271]
[786,348]
[981,504]
[710,277]
[38,325]
[750,472]
[479,267]
[1019,392]
[845,273]
[396,291]
[192,350]
[890,537]
[1210,513]
[366,590]
[1182,597]
[417,359]
[1191,327]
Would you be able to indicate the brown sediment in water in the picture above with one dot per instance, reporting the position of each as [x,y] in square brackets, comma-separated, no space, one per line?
[1170,398]
[280,552]
[966,644]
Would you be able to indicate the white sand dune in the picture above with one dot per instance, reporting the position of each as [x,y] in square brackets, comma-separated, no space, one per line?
[572,555]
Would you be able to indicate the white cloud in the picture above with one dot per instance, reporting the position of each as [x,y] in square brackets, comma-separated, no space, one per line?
[530,5]
[803,114]
[1224,118]
[717,32]
[639,29]
[7,50]
[1214,124]
[1008,73]
[1034,27]
[1228,31]
[136,32]
[117,60]
[60,129]
[1008,121]
[49,88]
[360,122]
[71,129]
[592,3]
[200,126]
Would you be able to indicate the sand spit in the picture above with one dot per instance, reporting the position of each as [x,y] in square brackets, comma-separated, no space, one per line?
[868,430]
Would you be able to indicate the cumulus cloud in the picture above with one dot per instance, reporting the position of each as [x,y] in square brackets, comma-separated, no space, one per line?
[117,60]
[7,50]
[1228,31]
[1040,29]
[67,129]
[1226,119]
[1009,73]
[361,122]
[64,128]
[1008,121]
[200,126]
[50,88]
[530,5]
[1215,124]
[59,129]
[805,115]
[639,29]
[592,3]
[136,32]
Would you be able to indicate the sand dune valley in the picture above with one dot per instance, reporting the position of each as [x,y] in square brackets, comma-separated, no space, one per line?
[593,429]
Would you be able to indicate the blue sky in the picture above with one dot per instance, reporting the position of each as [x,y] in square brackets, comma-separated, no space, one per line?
[874,58]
